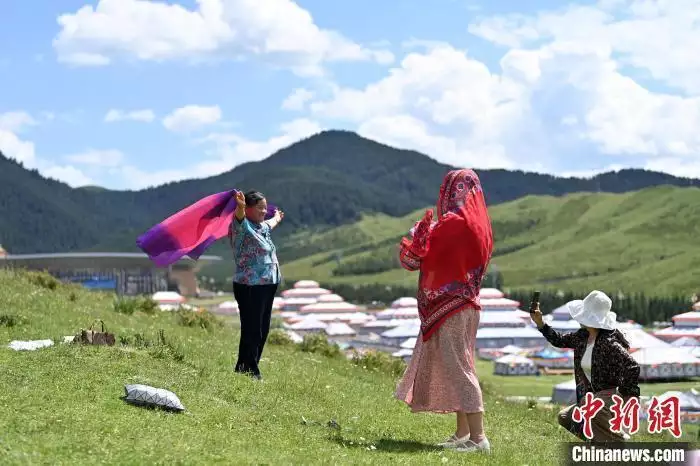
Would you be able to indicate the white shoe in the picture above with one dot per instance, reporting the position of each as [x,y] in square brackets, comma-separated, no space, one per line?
[467,446]
[452,440]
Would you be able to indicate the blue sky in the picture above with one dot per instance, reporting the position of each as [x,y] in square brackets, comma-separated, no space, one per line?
[131,93]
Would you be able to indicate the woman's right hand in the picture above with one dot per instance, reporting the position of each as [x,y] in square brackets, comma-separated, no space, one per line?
[536,316]
[240,199]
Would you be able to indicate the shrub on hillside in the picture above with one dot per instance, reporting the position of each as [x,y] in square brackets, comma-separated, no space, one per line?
[167,348]
[277,323]
[380,362]
[161,348]
[43,280]
[379,261]
[148,306]
[12,320]
[279,337]
[200,318]
[137,340]
[319,344]
[128,306]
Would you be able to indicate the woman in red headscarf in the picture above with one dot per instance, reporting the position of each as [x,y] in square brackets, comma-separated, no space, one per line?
[452,254]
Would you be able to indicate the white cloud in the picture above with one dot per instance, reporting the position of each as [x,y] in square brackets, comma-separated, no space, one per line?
[23,151]
[659,37]
[561,95]
[297,99]
[687,168]
[16,121]
[69,175]
[145,115]
[229,150]
[440,102]
[280,30]
[15,148]
[98,158]
[12,123]
[192,117]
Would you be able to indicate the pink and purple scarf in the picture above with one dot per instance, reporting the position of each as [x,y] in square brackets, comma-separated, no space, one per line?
[192,230]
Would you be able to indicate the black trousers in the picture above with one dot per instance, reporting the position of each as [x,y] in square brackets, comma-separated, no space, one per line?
[255,311]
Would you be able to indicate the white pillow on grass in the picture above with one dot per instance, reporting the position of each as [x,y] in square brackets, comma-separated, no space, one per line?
[143,395]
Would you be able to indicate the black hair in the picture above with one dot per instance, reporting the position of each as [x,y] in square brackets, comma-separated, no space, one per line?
[253,197]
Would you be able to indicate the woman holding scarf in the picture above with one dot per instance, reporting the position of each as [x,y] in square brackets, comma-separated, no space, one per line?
[256,277]
[452,255]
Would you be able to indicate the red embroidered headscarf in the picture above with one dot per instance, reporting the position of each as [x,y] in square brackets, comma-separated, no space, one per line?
[451,253]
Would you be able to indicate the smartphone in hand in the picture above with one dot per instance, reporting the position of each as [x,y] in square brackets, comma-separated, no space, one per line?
[535,301]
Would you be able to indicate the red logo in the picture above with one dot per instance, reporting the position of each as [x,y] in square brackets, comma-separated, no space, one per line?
[591,406]
[624,415]
[665,415]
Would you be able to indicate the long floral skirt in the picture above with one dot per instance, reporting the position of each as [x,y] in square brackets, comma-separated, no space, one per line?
[441,377]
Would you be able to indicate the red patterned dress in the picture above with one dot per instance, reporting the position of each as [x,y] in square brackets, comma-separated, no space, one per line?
[452,255]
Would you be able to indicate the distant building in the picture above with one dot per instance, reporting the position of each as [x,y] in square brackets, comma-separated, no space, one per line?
[123,273]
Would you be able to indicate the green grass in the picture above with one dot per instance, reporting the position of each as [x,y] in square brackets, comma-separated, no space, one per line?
[61,405]
[639,241]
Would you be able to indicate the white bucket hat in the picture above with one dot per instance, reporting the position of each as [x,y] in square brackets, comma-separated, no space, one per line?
[594,311]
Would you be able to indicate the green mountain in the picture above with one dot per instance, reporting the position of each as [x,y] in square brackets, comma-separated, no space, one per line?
[328,180]
[642,241]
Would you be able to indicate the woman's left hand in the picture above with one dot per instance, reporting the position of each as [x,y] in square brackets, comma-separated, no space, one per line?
[279,215]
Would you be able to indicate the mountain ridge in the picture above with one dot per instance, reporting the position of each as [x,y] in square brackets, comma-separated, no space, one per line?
[322,181]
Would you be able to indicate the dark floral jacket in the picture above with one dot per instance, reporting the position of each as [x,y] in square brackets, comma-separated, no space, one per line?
[611,364]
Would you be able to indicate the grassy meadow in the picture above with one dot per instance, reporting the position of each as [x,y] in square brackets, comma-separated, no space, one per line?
[61,405]
[638,241]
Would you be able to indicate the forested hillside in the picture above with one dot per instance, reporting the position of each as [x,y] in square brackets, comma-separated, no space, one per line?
[327,180]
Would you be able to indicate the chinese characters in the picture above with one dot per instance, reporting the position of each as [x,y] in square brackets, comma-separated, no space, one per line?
[663,415]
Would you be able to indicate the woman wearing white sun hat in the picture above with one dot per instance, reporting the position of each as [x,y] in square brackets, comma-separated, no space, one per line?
[602,363]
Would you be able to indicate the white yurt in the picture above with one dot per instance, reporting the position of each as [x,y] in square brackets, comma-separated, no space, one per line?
[294,336]
[305,293]
[409,344]
[687,342]
[228,307]
[294,304]
[406,301]
[512,364]
[627,325]
[306,284]
[333,307]
[501,319]
[565,326]
[330,298]
[490,293]
[511,349]
[564,393]
[403,353]
[498,337]
[308,325]
[398,313]
[639,339]
[168,297]
[396,336]
[339,329]
[560,313]
[346,317]
[500,304]
[277,303]
[667,363]
[687,319]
